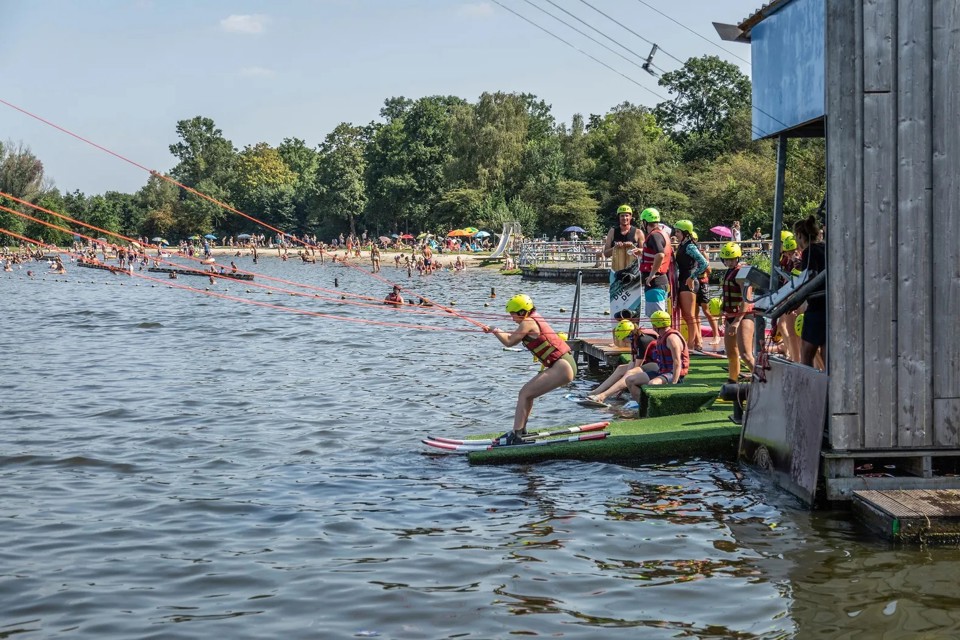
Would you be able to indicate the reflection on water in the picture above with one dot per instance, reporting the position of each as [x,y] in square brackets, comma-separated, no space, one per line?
[179,466]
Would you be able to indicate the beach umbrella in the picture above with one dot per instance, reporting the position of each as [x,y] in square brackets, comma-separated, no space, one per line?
[483,234]
[457,233]
[194,237]
[244,236]
[422,235]
[574,229]
[210,236]
[406,236]
[385,240]
[394,235]
[471,230]
[156,239]
[723,232]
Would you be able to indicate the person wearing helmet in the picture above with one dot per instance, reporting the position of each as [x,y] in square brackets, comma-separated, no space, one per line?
[738,325]
[626,289]
[540,339]
[690,266]
[641,348]
[789,264]
[813,339]
[394,298]
[669,352]
[655,260]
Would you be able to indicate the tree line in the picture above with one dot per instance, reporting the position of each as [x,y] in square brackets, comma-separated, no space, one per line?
[440,162]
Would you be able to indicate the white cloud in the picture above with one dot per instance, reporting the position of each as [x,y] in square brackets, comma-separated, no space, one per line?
[476,10]
[257,72]
[244,24]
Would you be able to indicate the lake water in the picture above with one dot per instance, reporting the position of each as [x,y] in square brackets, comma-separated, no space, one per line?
[174,465]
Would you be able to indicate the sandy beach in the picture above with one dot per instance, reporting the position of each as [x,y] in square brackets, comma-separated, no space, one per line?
[472,260]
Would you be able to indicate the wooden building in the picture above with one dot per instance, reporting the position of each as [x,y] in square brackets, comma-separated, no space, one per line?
[881,80]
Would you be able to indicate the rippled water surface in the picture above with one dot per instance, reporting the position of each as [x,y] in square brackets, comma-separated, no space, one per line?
[174,465]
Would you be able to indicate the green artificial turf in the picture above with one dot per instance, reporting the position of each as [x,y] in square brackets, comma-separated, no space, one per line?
[702,434]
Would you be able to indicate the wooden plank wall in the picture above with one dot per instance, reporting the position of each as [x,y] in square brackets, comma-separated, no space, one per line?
[946,221]
[845,221]
[880,222]
[893,231]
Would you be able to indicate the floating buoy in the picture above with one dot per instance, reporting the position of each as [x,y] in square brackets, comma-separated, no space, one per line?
[269,293]
[452,302]
[486,304]
[607,312]
[562,310]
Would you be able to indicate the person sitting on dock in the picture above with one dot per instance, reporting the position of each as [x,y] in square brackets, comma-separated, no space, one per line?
[540,339]
[641,351]
[394,298]
[669,352]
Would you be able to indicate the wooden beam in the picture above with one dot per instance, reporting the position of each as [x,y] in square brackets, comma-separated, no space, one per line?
[914,260]
[844,88]
[946,222]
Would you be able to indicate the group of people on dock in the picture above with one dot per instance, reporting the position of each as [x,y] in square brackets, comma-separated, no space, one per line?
[647,267]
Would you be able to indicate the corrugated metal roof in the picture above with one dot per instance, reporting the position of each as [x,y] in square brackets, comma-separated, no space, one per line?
[759,15]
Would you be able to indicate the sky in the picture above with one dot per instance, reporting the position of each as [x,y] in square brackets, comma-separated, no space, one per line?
[122,73]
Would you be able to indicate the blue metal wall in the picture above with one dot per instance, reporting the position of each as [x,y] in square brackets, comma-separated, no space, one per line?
[788,53]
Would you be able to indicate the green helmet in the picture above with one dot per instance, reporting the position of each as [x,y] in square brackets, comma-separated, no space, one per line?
[715,306]
[660,319]
[785,234]
[624,208]
[730,250]
[789,243]
[623,330]
[520,303]
[650,215]
[684,225]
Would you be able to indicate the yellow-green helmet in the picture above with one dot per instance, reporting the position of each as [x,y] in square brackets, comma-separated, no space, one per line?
[624,208]
[798,325]
[785,234]
[789,243]
[520,303]
[684,225]
[650,215]
[623,329]
[660,319]
[715,306]
[730,250]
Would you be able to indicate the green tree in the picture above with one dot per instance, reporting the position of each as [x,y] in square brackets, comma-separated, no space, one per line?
[707,93]
[302,161]
[203,153]
[340,184]
[21,175]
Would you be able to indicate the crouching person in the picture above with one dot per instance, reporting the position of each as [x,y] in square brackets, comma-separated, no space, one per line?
[669,352]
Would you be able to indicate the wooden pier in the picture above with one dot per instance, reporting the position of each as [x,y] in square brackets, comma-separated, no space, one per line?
[599,352]
[918,515]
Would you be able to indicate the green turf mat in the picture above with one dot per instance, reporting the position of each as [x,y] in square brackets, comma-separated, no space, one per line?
[703,434]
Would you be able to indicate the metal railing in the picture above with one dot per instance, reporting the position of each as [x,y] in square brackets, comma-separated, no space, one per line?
[587,252]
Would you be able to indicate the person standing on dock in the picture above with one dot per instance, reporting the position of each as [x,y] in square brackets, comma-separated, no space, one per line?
[559,367]
[626,289]
[690,266]
[655,258]
[738,322]
[813,259]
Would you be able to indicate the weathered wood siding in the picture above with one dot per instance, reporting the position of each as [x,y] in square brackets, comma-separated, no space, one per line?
[893,229]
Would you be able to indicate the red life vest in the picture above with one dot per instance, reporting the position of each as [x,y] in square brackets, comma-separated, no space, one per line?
[664,357]
[547,347]
[650,252]
[732,292]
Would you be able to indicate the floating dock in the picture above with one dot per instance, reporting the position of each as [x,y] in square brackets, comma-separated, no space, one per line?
[914,515]
[103,267]
[194,272]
